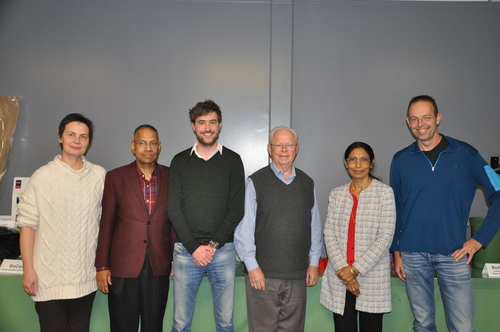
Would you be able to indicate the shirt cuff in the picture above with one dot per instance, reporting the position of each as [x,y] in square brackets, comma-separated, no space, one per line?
[314,260]
[251,263]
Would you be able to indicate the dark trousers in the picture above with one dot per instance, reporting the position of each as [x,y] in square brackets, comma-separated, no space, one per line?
[71,315]
[348,322]
[133,299]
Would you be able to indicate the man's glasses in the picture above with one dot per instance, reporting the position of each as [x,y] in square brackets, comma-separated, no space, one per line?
[281,146]
[143,144]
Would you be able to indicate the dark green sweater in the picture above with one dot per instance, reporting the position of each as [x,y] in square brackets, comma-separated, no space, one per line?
[206,198]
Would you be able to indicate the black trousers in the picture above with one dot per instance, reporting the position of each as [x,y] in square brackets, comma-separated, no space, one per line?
[141,299]
[71,315]
[348,322]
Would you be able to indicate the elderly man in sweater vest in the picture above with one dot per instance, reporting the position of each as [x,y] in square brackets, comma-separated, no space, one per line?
[279,238]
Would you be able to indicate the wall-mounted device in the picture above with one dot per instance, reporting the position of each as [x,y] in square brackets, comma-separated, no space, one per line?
[494,162]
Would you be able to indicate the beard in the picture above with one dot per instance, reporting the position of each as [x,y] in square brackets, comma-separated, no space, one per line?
[202,140]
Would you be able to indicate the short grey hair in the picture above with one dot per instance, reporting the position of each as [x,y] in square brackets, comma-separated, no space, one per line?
[275,129]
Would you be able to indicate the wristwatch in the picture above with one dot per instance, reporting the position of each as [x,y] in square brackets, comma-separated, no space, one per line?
[214,244]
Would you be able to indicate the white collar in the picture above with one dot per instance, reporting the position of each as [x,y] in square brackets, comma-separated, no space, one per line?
[193,149]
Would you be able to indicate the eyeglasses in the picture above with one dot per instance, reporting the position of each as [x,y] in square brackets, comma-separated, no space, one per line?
[362,160]
[280,146]
[415,120]
[143,144]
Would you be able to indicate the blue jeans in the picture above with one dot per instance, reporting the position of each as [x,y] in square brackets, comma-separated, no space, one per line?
[455,286]
[221,273]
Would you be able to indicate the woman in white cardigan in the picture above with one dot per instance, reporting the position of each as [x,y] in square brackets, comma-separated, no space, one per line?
[59,215]
[358,233]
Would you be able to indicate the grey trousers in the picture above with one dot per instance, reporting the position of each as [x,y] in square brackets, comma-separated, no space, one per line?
[281,307]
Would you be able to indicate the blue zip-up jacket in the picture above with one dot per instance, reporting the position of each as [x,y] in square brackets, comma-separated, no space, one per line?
[433,201]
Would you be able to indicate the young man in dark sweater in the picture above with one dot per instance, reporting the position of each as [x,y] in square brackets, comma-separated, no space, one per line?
[205,204]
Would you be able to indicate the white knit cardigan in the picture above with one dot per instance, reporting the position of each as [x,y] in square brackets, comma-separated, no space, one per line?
[63,206]
[375,222]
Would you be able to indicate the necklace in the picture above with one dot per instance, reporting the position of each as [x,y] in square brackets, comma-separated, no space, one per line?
[356,191]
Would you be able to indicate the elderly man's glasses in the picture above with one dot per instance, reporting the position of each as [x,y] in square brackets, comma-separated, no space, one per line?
[281,146]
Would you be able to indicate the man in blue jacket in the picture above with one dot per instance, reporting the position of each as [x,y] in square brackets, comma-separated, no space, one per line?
[434,181]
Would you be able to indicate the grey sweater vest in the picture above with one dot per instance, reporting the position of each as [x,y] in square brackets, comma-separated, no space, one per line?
[283,224]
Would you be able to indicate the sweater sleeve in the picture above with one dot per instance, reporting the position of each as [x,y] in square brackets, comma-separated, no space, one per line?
[236,205]
[174,206]
[28,213]
[336,254]
[384,227]
[490,181]
[395,184]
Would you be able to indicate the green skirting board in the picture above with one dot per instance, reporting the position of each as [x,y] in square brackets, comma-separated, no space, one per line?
[17,313]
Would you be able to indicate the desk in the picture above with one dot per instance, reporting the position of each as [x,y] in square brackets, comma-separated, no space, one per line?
[17,313]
